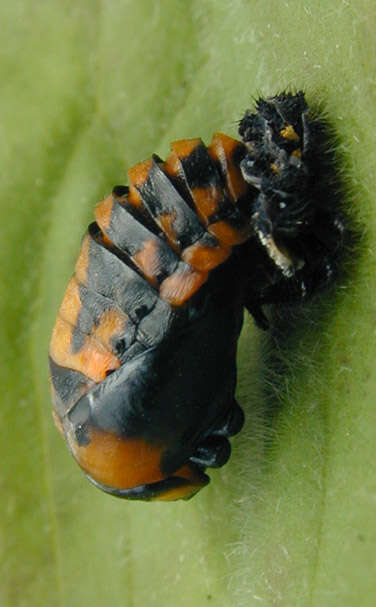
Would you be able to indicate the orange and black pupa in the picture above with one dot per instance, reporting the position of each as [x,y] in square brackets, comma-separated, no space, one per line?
[142,356]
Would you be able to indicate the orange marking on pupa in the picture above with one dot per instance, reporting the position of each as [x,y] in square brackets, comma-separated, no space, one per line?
[206,201]
[103,212]
[195,481]
[82,263]
[117,462]
[172,165]
[166,222]
[184,147]
[112,323]
[222,148]
[92,360]
[138,174]
[125,463]
[71,304]
[179,287]
[205,258]
[228,235]
[134,197]
[147,259]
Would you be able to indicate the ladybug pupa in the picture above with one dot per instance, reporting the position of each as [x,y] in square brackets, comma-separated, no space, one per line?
[143,352]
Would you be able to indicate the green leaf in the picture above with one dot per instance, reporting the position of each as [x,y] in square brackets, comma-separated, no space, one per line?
[88,89]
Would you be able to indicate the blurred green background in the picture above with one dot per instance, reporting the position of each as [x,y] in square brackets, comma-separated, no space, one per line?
[89,88]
